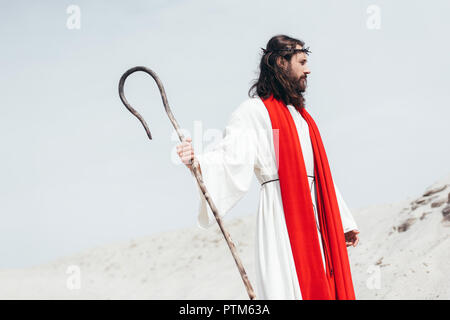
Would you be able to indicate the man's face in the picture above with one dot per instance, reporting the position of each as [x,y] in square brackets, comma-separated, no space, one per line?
[298,69]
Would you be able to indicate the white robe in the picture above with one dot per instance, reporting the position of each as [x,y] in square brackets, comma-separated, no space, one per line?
[228,174]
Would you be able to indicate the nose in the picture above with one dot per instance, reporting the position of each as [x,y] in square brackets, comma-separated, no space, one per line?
[307,71]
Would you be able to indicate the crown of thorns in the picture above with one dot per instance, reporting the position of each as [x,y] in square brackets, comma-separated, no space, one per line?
[304,50]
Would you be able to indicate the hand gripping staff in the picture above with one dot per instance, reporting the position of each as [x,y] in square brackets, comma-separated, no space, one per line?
[194,167]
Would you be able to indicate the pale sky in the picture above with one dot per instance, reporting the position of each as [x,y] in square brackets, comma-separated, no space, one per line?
[77,169]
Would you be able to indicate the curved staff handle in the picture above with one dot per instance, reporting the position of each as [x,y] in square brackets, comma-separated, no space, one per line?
[194,168]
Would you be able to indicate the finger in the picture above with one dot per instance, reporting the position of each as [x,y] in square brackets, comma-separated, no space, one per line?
[186,160]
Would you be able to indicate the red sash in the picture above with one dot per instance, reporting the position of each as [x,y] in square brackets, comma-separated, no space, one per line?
[315,283]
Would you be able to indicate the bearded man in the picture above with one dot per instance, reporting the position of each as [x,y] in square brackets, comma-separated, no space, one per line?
[303,225]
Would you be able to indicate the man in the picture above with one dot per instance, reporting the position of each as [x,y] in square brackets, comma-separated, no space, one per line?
[303,225]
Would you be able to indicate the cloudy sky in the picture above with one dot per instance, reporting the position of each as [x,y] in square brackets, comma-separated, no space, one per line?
[77,169]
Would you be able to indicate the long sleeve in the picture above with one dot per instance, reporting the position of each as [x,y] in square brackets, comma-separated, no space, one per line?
[348,222]
[228,168]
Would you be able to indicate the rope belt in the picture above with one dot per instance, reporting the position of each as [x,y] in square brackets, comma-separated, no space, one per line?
[269,181]
[279,179]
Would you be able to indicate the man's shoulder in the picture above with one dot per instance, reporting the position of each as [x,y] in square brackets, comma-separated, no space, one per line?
[250,106]
[253,113]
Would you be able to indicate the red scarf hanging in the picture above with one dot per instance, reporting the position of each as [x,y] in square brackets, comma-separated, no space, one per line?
[315,283]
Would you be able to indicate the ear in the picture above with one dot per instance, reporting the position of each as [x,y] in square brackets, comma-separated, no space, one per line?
[281,62]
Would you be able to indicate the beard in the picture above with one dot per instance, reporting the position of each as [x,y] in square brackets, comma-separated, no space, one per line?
[297,89]
[302,84]
[299,84]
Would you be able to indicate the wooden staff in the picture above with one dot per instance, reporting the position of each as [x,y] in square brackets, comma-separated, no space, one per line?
[194,167]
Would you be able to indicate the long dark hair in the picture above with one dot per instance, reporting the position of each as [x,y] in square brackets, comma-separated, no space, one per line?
[274,79]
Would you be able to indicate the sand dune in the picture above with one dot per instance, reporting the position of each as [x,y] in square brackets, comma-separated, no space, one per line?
[404,253]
